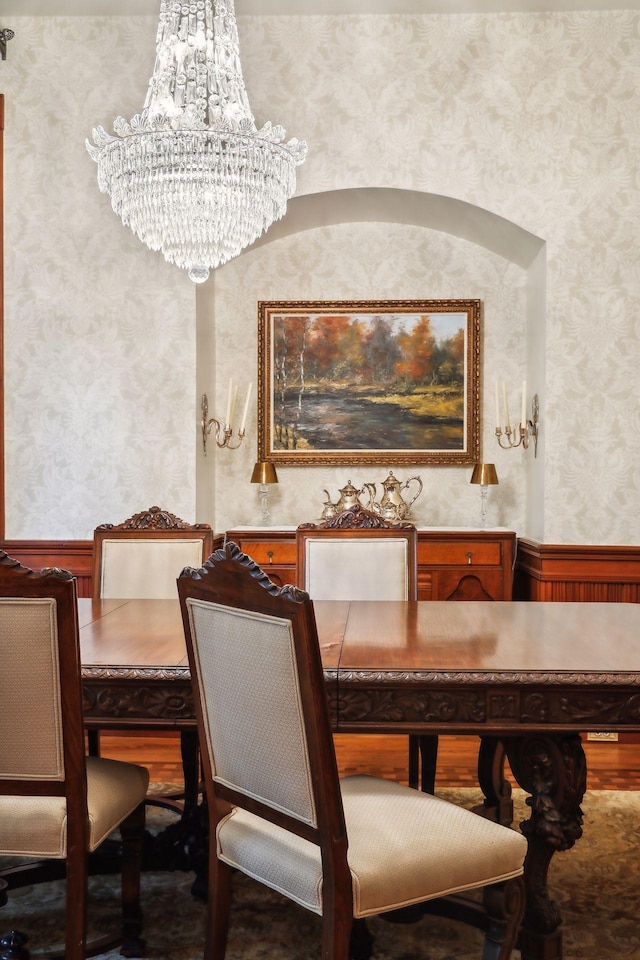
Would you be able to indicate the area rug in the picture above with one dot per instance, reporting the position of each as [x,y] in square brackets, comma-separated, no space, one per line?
[596,885]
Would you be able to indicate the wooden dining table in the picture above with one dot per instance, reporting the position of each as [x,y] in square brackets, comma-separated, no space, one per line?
[527,678]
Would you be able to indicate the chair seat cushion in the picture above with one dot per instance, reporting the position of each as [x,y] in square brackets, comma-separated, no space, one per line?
[404,847]
[37,826]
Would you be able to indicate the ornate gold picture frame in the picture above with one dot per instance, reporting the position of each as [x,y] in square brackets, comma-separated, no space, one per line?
[369,381]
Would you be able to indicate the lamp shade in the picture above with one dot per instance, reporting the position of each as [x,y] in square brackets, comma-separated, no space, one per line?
[484,473]
[264,472]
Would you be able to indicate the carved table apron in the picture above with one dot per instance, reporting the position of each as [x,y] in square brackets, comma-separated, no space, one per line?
[525,677]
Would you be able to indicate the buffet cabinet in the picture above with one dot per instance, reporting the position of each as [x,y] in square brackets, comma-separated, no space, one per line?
[453,563]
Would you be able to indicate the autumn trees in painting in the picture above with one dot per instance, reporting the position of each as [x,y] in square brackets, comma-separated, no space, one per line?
[356,352]
[369,380]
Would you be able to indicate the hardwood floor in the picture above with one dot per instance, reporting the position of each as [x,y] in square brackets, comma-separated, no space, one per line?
[610,766]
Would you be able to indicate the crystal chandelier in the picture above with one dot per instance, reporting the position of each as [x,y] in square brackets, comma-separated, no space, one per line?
[192,175]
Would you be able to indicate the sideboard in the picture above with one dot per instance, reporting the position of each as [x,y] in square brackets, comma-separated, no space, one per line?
[454,563]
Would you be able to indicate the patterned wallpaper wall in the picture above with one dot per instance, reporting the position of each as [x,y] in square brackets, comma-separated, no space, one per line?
[99,332]
[531,116]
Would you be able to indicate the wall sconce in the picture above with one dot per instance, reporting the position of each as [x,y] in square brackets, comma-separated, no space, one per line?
[5,36]
[264,473]
[223,434]
[523,432]
[484,474]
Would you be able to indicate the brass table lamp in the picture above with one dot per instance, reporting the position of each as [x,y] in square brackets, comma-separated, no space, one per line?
[484,474]
[264,473]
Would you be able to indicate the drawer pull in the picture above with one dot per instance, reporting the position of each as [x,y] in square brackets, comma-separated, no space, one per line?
[469,555]
[270,555]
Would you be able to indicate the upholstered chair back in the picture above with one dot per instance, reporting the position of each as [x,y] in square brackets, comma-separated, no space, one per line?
[146,569]
[55,803]
[31,745]
[52,798]
[251,701]
[352,562]
[142,557]
[359,568]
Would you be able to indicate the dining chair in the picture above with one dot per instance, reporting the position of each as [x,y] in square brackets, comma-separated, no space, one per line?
[141,558]
[56,803]
[357,555]
[345,849]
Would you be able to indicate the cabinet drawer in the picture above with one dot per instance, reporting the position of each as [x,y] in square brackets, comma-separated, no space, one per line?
[265,552]
[447,553]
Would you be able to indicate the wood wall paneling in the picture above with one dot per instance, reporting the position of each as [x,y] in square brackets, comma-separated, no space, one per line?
[566,573]
[73,555]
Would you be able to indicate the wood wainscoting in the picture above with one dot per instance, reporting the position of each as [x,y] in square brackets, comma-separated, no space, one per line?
[73,555]
[542,571]
[563,573]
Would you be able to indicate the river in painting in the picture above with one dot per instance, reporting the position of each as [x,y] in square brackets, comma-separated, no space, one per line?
[329,421]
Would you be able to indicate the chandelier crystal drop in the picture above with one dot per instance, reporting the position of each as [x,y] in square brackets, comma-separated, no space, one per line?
[191,175]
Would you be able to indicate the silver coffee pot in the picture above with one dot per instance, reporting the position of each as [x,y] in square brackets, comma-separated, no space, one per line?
[392,506]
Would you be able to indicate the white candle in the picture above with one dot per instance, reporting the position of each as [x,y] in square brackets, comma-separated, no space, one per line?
[227,418]
[523,418]
[246,407]
[507,422]
[498,424]
[233,403]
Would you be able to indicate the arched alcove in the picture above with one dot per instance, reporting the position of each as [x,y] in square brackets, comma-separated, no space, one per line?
[450,215]
[391,205]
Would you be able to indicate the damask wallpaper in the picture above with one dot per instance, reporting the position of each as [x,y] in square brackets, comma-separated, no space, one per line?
[533,117]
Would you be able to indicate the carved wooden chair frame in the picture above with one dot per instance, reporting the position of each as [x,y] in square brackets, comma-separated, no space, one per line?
[231,580]
[17,581]
[152,524]
[156,524]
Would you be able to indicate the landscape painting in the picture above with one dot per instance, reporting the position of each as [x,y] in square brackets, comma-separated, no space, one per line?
[380,382]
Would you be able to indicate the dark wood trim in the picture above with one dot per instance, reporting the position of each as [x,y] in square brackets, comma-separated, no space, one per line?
[562,572]
[73,555]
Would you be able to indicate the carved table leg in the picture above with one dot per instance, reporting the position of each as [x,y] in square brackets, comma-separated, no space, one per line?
[552,768]
[497,804]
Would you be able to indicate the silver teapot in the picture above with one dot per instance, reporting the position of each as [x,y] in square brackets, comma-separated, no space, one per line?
[349,497]
[392,506]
